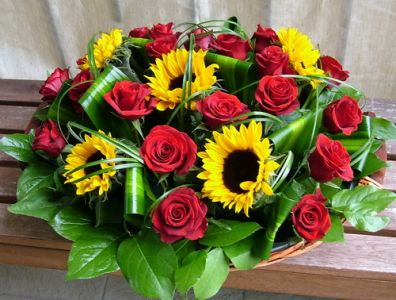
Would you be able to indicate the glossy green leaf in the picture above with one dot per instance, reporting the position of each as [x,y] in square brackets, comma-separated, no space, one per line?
[72,222]
[41,114]
[134,198]
[94,253]
[19,146]
[336,231]
[183,248]
[98,110]
[372,165]
[361,205]
[276,214]
[383,129]
[294,136]
[148,265]
[237,74]
[190,271]
[36,176]
[214,275]
[230,233]
[41,203]
[241,254]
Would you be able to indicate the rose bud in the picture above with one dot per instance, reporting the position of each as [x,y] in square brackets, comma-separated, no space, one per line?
[264,37]
[219,108]
[76,93]
[203,39]
[130,100]
[329,160]
[273,61]
[160,30]
[310,217]
[48,138]
[180,215]
[333,68]
[140,32]
[343,115]
[162,45]
[231,45]
[277,95]
[52,85]
[166,149]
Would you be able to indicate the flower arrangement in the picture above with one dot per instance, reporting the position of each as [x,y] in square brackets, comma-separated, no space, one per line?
[179,151]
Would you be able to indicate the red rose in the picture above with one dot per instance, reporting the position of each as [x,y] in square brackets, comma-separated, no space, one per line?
[231,45]
[49,139]
[203,39]
[343,115]
[162,45]
[80,88]
[264,37]
[310,217]
[180,215]
[219,108]
[332,67]
[131,100]
[166,149]
[139,32]
[277,95]
[273,61]
[329,160]
[52,85]
[160,30]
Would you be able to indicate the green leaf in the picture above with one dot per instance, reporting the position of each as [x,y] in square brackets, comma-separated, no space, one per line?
[109,211]
[98,110]
[134,198]
[183,248]
[19,146]
[94,253]
[237,75]
[214,275]
[230,233]
[190,271]
[241,254]
[72,222]
[61,109]
[336,231]
[148,265]
[372,165]
[276,214]
[36,176]
[41,203]
[294,136]
[383,129]
[361,205]
[41,114]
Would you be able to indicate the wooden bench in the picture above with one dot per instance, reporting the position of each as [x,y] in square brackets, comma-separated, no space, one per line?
[362,268]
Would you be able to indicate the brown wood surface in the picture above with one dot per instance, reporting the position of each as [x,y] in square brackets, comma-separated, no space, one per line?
[364,267]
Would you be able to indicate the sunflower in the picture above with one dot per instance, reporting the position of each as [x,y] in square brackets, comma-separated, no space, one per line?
[237,165]
[168,73]
[104,48]
[93,149]
[302,55]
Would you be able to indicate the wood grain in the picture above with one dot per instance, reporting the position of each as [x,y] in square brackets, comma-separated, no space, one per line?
[8,181]
[20,92]
[15,118]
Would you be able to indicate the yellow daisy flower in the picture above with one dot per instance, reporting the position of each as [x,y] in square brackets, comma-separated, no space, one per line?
[168,73]
[104,48]
[93,149]
[237,166]
[302,55]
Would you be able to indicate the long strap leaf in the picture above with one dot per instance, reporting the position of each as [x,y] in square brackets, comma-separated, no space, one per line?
[134,199]
[98,110]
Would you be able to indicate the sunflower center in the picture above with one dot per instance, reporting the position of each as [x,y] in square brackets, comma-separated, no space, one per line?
[94,157]
[240,166]
[178,82]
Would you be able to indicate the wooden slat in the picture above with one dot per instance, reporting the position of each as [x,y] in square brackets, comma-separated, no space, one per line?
[25,92]
[390,176]
[15,118]
[28,231]
[8,179]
